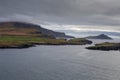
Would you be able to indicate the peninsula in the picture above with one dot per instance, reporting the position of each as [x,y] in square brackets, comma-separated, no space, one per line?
[105,46]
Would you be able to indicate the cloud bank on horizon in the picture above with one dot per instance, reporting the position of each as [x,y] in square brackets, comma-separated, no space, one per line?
[71,16]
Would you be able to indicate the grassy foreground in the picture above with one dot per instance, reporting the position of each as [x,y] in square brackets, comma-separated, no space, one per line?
[28,41]
[25,41]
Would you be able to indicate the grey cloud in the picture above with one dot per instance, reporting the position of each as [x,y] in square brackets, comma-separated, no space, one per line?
[92,12]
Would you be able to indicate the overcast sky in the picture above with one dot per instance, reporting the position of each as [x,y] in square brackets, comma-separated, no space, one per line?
[76,15]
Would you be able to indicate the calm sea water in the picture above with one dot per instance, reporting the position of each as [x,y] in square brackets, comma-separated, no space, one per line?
[59,63]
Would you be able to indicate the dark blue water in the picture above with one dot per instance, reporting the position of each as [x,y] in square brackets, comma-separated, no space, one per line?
[59,63]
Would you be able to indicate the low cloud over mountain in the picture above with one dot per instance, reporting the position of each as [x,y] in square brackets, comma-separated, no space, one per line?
[69,15]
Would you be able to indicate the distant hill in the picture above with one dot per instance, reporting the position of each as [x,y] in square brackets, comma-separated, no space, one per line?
[28,29]
[101,36]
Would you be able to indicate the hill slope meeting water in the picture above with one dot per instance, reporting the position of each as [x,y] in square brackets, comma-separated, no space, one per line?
[24,35]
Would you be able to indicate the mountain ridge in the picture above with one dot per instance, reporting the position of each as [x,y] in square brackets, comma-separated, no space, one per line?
[39,29]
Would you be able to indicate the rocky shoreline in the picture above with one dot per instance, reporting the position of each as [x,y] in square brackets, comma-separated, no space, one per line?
[106,46]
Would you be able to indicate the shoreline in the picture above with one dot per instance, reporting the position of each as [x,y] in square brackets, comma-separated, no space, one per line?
[35,44]
[105,46]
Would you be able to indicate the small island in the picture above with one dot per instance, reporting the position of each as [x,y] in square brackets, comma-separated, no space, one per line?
[25,35]
[107,46]
[101,36]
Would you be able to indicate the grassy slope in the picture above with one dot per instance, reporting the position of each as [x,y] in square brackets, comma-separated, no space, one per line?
[19,31]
